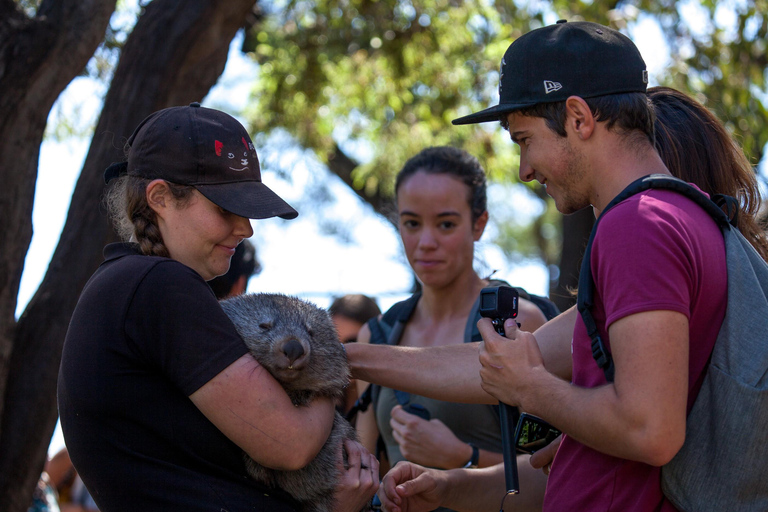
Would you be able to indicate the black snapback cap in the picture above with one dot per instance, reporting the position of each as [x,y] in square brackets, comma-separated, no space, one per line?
[207,149]
[566,59]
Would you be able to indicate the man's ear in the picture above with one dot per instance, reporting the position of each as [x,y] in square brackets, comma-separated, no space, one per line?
[479,226]
[158,195]
[579,119]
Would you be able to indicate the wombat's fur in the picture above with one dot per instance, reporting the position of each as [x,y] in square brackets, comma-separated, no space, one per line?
[297,343]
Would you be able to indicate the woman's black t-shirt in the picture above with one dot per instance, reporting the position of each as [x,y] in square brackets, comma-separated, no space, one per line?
[148,332]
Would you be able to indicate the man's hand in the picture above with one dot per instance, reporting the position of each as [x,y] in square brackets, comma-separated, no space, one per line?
[429,443]
[543,458]
[508,362]
[409,487]
[359,481]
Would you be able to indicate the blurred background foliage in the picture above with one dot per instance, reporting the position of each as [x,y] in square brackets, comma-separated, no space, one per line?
[362,85]
[365,84]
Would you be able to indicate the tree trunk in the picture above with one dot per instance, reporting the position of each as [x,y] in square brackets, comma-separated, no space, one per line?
[38,57]
[173,57]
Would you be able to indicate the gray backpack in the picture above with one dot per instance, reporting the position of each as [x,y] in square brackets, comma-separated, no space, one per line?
[723,464]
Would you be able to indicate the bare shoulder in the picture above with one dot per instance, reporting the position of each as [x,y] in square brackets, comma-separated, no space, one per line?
[529,315]
[364,334]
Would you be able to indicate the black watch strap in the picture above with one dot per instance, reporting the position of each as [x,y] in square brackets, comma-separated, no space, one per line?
[475,458]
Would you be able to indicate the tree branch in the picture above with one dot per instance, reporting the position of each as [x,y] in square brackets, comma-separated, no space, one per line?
[343,166]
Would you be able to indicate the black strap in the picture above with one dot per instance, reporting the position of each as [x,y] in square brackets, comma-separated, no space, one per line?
[723,209]
[361,404]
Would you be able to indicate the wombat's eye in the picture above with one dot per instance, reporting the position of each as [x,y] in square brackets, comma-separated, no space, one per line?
[310,332]
[265,325]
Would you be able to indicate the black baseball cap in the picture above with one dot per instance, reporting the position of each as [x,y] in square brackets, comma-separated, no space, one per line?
[207,149]
[552,63]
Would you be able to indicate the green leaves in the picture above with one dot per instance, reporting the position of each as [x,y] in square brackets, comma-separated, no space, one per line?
[388,76]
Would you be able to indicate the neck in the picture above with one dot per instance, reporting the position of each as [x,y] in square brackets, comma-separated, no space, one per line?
[618,165]
[454,299]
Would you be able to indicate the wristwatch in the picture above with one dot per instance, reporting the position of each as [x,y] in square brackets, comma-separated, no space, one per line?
[473,460]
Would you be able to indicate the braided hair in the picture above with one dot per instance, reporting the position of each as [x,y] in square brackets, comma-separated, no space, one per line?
[133,218]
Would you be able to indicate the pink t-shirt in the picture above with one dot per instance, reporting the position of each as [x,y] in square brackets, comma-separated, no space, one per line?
[655,251]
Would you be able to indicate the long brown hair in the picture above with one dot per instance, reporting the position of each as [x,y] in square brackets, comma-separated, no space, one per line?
[132,216]
[696,147]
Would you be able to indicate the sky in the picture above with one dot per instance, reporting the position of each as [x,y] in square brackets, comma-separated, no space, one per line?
[297,256]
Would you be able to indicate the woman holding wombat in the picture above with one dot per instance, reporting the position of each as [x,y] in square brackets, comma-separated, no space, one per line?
[441,203]
[158,395]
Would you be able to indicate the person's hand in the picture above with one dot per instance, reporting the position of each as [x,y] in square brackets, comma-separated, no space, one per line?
[359,482]
[543,458]
[508,362]
[409,487]
[429,443]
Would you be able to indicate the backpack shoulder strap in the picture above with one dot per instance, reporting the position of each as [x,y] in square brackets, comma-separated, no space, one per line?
[389,327]
[586,293]
[386,330]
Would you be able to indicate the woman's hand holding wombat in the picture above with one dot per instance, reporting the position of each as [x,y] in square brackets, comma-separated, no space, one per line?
[359,482]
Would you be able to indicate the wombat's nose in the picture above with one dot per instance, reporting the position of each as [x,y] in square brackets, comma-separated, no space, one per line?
[293,350]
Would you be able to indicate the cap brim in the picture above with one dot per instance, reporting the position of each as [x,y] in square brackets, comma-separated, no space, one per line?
[249,199]
[491,114]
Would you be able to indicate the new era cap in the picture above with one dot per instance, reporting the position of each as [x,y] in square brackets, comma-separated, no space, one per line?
[207,149]
[551,63]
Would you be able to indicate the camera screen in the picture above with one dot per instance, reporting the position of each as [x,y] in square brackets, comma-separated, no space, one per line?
[534,434]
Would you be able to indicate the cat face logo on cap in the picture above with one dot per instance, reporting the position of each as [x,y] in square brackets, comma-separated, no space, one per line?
[244,162]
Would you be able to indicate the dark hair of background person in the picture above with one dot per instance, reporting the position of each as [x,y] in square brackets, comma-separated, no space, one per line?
[626,112]
[355,306]
[454,162]
[696,147]
[243,263]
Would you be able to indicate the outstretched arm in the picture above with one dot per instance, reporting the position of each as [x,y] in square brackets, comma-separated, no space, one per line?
[423,370]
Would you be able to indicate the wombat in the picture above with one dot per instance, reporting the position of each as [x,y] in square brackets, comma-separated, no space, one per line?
[297,343]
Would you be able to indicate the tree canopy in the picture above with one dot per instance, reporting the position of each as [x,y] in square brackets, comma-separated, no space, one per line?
[367,84]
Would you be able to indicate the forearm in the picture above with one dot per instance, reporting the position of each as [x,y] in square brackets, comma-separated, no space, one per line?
[640,416]
[470,490]
[554,340]
[253,410]
[600,418]
[482,490]
[444,373]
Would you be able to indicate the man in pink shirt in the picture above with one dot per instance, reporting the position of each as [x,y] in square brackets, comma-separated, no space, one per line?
[572,96]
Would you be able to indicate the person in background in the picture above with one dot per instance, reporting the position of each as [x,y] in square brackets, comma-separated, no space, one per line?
[244,264]
[349,313]
[441,203]
[72,493]
[159,397]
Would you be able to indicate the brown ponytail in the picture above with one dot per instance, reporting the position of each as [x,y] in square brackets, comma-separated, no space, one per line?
[696,147]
